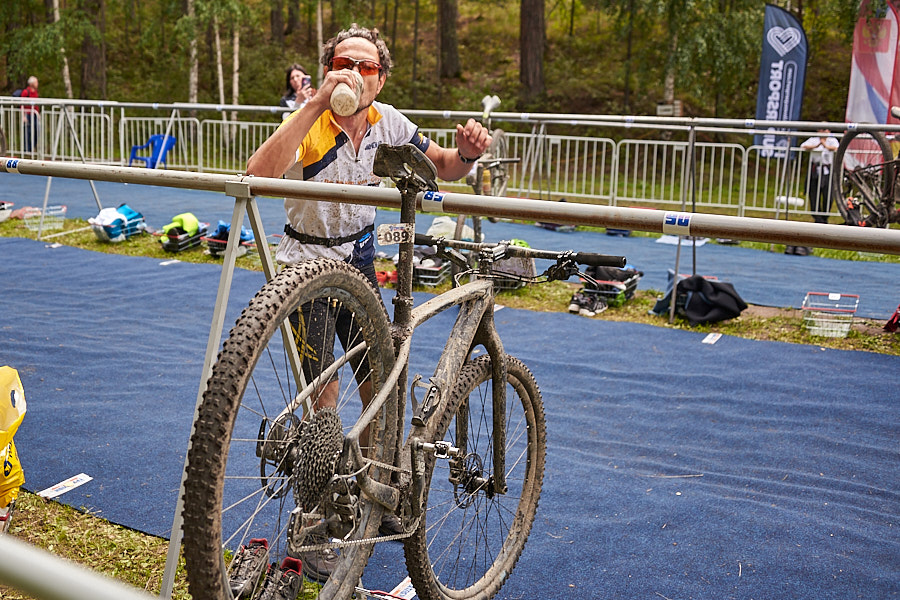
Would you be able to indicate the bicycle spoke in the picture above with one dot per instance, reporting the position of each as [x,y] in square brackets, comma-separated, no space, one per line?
[246,460]
[473,535]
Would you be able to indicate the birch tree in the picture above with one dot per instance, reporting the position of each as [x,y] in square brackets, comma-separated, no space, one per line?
[67,79]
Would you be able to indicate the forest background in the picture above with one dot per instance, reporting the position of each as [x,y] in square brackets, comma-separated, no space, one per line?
[563,56]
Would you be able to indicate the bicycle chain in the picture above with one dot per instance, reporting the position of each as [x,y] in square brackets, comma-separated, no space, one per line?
[371,540]
[349,543]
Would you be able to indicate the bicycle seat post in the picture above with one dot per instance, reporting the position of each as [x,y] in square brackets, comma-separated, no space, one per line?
[412,172]
[403,300]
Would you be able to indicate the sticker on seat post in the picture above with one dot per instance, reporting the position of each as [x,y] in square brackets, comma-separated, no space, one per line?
[395,233]
[433,202]
[676,223]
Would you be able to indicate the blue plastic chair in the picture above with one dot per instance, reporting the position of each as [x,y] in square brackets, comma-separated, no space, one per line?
[159,145]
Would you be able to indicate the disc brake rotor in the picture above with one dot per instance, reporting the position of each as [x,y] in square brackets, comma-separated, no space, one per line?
[470,481]
[276,449]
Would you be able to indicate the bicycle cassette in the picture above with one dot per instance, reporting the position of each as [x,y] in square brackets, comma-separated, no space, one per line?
[321,442]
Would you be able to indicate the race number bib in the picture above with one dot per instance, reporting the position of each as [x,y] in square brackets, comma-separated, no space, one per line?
[395,233]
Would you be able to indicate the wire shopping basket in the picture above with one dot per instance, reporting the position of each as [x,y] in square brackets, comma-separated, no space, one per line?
[829,314]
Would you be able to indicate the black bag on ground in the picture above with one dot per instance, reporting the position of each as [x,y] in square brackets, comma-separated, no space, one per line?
[709,301]
[701,300]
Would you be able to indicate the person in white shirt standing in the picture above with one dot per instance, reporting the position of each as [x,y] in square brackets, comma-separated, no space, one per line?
[818,184]
[822,147]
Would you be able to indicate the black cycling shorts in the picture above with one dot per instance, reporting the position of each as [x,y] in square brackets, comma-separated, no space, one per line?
[317,323]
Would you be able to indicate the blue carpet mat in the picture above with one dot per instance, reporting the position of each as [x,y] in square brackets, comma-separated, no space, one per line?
[675,469]
[763,278]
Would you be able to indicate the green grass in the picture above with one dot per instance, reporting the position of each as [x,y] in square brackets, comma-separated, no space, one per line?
[130,556]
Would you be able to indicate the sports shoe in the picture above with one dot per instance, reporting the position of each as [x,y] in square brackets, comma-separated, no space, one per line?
[578,301]
[248,567]
[390,525]
[594,306]
[281,583]
[318,564]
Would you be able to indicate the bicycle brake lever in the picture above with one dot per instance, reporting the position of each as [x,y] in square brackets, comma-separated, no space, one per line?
[562,270]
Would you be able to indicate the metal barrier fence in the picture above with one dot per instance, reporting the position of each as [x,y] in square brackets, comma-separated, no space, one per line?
[728,178]
[48,581]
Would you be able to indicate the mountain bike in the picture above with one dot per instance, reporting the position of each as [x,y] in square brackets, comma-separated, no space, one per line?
[864,182]
[268,459]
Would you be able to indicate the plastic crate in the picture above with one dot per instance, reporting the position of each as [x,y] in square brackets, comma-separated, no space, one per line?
[829,314]
[6,209]
[431,276]
[175,242]
[217,247]
[616,293]
[53,218]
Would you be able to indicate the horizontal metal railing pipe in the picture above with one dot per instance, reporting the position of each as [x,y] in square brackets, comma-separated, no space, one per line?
[41,574]
[669,222]
[839,237]
[745,125]
[742,125]
[14,101]
[188,180]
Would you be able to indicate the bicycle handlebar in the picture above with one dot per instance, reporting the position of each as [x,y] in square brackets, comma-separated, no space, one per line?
[585,258]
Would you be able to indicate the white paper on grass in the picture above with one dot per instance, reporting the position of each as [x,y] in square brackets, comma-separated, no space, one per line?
[65,486]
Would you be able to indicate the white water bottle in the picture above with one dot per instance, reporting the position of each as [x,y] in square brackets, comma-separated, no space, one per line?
[345,99]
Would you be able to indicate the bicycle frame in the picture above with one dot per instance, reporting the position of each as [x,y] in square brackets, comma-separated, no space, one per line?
[474,326]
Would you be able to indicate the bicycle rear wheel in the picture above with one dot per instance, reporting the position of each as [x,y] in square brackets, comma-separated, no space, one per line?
[472,535]
[863,178]
[499,148]
[249,463]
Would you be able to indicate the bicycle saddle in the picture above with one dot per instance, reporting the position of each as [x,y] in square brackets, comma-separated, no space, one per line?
[489,103]
[407,166]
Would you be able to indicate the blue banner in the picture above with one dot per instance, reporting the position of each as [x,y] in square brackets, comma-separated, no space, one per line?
[782,73]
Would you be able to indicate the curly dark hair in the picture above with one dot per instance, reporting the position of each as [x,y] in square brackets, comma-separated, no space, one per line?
[287,76]
[384,55]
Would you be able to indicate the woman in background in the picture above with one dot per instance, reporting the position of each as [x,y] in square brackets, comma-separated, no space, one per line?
[299,89]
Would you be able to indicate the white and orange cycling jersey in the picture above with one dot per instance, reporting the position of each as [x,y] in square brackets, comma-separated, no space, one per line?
[327,155]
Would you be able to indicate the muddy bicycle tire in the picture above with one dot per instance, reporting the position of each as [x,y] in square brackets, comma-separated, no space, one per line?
[863,178]
[470,539]
[227,498]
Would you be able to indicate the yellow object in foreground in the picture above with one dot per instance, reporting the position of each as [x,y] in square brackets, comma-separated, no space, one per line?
[12,411]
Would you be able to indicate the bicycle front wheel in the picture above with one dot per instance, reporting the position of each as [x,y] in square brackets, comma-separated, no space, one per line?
[472,534]
[250,463]
[863,178]
[499,148]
